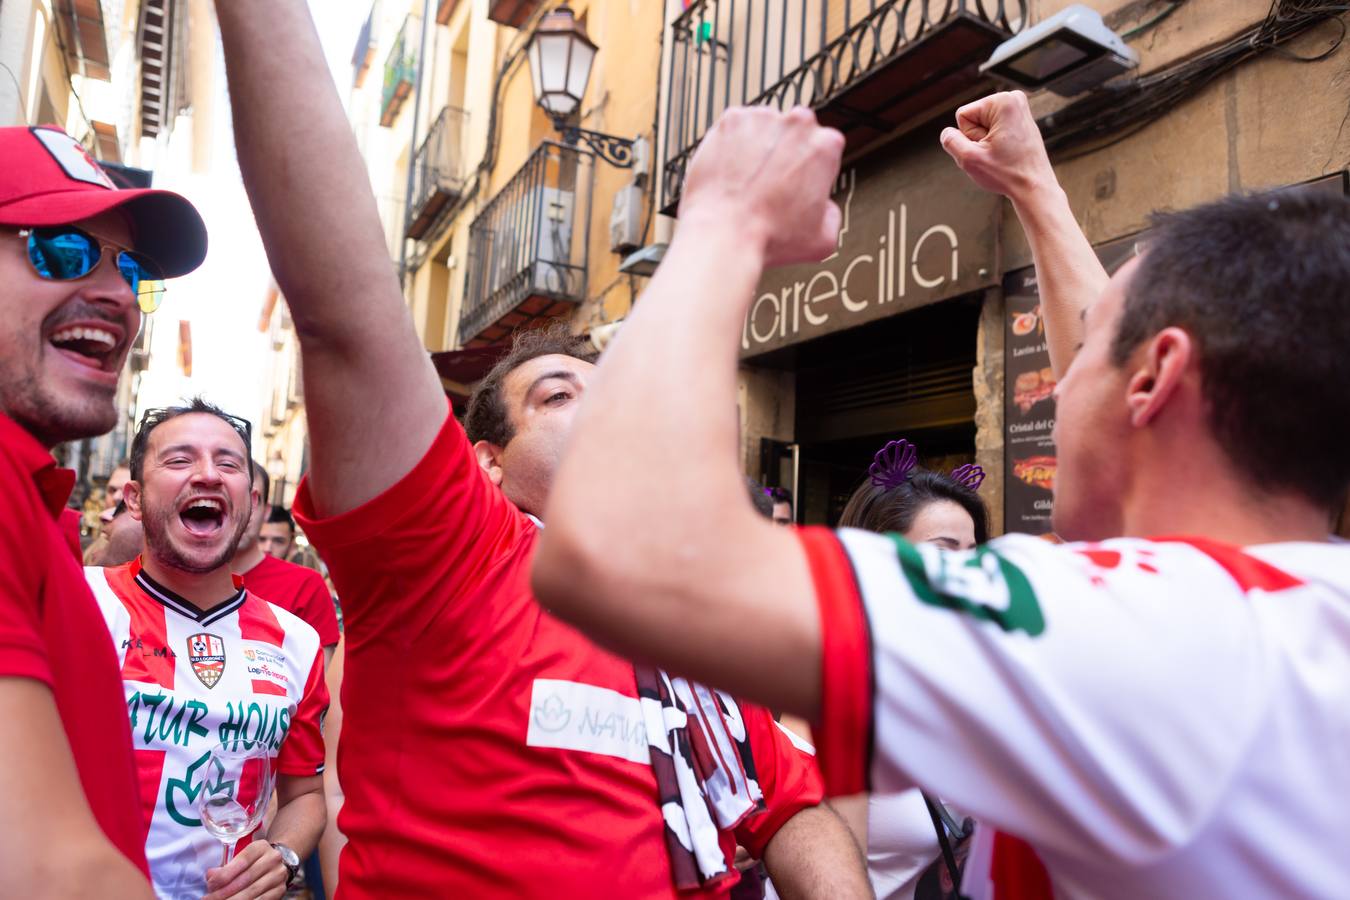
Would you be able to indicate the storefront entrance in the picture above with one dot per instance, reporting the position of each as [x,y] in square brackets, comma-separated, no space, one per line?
[905,376]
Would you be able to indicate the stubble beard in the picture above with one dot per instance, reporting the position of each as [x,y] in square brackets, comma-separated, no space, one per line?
[164,551]
[49,417]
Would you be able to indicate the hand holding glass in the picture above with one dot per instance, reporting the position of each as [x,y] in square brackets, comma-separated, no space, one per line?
[235,792]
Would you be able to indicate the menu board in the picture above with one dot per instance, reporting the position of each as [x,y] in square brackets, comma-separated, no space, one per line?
[1029,398]
[1028,409]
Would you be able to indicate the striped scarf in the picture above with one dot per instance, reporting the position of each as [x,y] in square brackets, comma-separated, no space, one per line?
[705,772]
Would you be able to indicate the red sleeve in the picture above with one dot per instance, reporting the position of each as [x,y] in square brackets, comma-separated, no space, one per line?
[315,605]
[302,751]
[787,775]
[398,561]
[23,560]
[844,732]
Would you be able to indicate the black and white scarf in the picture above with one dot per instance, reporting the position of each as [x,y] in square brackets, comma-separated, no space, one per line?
[705,772]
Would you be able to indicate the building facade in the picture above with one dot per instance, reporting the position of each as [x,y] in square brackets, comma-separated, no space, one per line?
[117,75]
[925,322]
[282,445]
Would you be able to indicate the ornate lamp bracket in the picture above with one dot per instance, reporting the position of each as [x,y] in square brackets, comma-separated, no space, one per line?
[614,150]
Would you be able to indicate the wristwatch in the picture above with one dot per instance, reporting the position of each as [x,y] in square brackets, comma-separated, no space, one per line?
[291,859]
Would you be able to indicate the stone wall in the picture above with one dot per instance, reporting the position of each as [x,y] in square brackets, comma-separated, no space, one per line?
[988,386]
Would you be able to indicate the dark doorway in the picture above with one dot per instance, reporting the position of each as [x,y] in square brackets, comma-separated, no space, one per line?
[906,376]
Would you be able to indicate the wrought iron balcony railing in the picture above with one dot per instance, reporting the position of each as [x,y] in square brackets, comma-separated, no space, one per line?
[438,172]
[865,66]
[400,69]
[528,248]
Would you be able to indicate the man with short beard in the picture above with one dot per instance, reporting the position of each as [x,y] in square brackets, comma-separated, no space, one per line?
[206,662]
[79,263]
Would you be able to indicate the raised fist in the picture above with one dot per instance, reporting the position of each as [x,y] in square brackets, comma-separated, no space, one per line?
[996,142]
[771,172]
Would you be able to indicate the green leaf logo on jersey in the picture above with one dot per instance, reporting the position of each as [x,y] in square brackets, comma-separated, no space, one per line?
[189,786]
[979,583]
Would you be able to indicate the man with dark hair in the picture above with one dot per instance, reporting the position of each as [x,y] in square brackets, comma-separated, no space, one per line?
[1135,717]
[79,263]
[277,535]
[488,749]
[119,541]
[207,661]
[277,580]
[488,418]
[112,491]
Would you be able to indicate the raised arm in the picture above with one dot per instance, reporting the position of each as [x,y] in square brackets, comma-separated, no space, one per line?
[707,588]
[996,142]
[373,400]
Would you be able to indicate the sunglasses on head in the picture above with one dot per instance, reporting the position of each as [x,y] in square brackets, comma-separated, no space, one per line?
[65,253]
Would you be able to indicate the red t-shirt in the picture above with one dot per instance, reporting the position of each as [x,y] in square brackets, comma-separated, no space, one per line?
[51,631]
[297,590]
[489,749]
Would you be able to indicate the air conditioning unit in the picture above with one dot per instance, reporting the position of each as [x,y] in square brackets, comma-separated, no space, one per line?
[553,239]
[625,220]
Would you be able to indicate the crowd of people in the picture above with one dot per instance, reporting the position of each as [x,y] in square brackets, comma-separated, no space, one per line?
[562,677]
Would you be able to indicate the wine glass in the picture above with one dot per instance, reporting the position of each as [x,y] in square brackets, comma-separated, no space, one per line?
[236,789]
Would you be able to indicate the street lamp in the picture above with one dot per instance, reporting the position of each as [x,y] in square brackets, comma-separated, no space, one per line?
[560,56]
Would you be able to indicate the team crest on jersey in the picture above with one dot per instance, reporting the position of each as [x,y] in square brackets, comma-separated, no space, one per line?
[206,652]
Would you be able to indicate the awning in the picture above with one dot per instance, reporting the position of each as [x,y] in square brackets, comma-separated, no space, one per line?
[460,370]
[83,35]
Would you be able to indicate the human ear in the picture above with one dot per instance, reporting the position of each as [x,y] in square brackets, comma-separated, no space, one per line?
[1160,370]
[488,455]
[131,496]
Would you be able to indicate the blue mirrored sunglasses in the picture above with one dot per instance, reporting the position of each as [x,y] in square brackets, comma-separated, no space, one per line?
[64,253]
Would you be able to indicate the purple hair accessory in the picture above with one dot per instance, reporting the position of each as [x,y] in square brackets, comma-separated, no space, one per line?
[891,466]
[970,475]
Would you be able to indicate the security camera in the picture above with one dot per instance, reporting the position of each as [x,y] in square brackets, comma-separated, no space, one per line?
[1071,52]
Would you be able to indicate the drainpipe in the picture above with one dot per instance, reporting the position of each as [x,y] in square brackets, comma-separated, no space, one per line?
[412,147]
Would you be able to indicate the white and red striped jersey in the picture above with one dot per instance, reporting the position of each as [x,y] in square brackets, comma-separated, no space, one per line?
[1149,718]
[243,670]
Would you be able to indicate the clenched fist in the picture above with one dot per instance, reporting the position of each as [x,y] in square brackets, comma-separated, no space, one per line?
[996,142]
[770,173]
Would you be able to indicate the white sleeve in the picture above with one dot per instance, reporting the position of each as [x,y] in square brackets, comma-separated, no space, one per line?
[1092,699]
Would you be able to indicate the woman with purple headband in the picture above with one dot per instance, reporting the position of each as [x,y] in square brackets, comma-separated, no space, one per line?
[900,832]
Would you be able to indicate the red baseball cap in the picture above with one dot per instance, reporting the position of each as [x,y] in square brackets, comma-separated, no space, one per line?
[48,178]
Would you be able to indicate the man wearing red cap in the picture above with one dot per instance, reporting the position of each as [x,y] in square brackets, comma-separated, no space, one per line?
[79,262]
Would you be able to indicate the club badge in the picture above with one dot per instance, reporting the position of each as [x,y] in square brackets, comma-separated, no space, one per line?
[207,655]
[72,157]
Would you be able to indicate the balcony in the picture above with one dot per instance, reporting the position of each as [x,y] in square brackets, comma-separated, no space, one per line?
[528,248]
[444,10]
[867,67]
[511,12]
[438,172]
[84,37]
[160,39]
[400,68]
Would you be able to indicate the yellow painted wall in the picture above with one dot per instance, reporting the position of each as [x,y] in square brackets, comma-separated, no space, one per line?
[466,57]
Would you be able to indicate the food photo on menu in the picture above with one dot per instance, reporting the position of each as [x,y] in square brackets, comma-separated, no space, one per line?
[1029,411]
